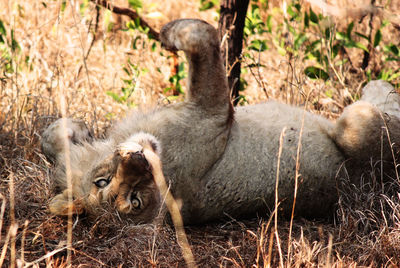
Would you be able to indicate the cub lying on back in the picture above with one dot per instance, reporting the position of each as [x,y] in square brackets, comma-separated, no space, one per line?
[219,161]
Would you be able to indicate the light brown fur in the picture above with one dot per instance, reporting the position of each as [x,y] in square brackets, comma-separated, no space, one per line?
[218,161]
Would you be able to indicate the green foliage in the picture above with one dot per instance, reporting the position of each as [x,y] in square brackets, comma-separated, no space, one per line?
[83,6]
[176,80]
[135,4]
[134,25]
[316,73]
[296,32]
[133,72]
[9,49]
[208,4]
[63,5]
[142,40]
[392,52]
[313,37]
[255,42]
[242,100]
[254,24]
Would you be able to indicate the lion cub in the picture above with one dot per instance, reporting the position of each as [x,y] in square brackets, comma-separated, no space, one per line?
[218,160]
[123,179]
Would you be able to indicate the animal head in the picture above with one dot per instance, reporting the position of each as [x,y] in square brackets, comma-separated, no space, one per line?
[105,174]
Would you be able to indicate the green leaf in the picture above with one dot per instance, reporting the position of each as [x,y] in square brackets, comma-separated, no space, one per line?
[269,23]
[290,11]
[349,30]
[134,42]
[127,82]
[394,76]
[306,20]
[316,73]
[281,51]
[299,40]
[313,46]
[63,5]
[153,46]
[328,33]
[207,4]
[329,93]
[362,36]
[135,4]
[394,49]
[361,46]
[341,62]
[14,43]
[352,44]
[340,36]
[130,25]
[369,76]
[378,38]
[2,28]
[392,59]
[114,96]
[313,16]
[258,45]
[126,71]
[335,50]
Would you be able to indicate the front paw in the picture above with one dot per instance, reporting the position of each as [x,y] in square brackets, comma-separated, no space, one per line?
[129,147]
[141,141]
[131,152]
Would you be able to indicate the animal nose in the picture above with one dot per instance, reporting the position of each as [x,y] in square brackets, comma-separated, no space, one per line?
[134,163]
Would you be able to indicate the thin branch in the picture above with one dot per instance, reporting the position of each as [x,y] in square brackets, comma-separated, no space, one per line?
[133,15]
[96,26]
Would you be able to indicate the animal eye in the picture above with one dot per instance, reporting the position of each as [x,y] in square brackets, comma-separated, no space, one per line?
[102,182]
[136,202]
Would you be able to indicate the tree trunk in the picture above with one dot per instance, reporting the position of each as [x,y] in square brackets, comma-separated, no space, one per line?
[231,22]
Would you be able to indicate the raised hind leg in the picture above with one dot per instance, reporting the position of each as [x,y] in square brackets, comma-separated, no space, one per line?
[207,82]
[370,128]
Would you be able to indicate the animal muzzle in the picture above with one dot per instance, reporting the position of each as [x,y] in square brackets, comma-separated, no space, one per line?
[133,172]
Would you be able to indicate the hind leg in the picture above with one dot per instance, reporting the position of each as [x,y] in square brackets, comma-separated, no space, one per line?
[52,141]
[370,128]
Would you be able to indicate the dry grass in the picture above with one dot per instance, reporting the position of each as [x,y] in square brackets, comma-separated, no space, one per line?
[365,232]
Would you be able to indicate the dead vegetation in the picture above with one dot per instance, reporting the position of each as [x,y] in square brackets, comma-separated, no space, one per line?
[62,56]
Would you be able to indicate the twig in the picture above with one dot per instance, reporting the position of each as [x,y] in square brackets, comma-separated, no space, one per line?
[14,225]
[133,15]
[367,54]
[296,178]
[23,242]
[328,256]
[3,208]
[82,47]
[96,26]
[277,195]
[172,206]
[5,246]
[68,175]
[48,255]
[386,128]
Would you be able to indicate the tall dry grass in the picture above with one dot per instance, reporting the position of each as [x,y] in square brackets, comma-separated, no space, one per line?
[61,54]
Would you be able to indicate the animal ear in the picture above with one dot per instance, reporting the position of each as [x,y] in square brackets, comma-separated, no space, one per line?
[60,205]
